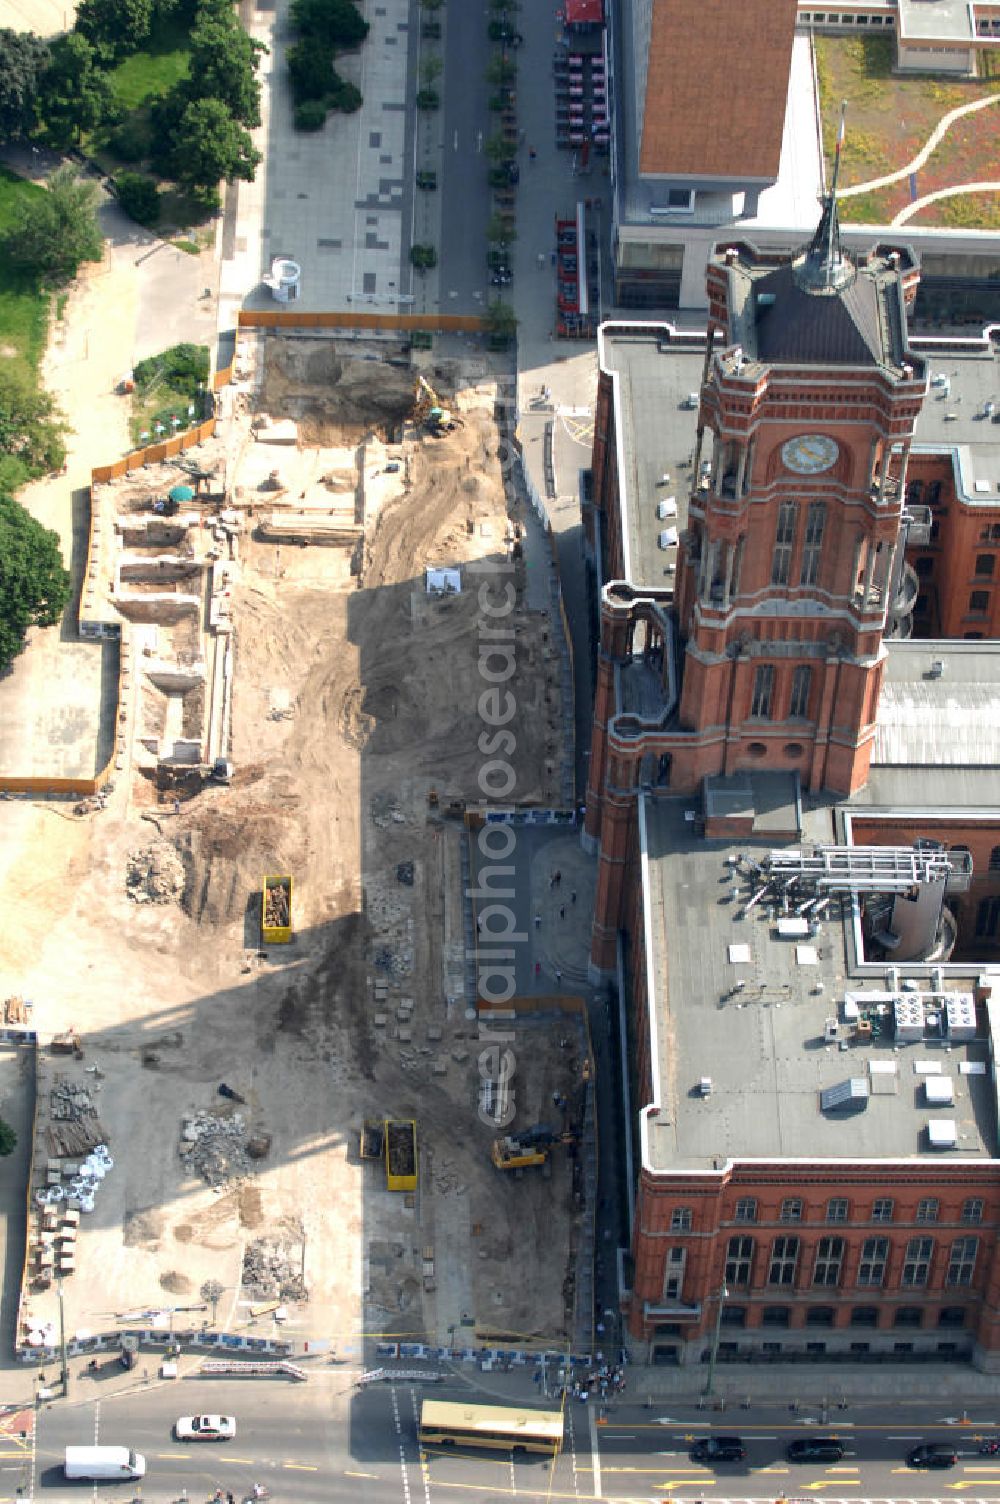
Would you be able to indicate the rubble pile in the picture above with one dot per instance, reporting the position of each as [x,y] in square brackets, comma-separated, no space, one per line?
[154,874]
[74,1127]
[272,1271]
[215,1147]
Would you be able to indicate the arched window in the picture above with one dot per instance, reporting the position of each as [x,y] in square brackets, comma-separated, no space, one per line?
[815,526]
[784,537]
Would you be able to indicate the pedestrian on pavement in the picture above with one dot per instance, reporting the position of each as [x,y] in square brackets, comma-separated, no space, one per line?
[538,921]
[532,154]
[572,896]
[562,911]
[541,258]
[538,968]
[558,975]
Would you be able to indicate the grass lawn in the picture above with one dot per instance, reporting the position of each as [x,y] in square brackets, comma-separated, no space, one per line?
[889,118]
[161,405]
[150,74]
[24,312]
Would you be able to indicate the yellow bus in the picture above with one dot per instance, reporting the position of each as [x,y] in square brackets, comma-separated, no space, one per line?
[444,1423]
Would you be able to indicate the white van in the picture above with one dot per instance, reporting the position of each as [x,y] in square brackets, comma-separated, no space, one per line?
[104,1463]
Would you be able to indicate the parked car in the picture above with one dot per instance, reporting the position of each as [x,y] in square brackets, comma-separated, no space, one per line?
[719,1449]
[815,1449]
[205,1428]
[932,1454]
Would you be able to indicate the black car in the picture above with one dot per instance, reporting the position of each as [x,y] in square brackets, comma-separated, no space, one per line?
[815,1449]
[719,1449]
[932,1454]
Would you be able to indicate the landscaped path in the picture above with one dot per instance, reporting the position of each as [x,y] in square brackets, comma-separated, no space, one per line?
[943,125]
[932,198]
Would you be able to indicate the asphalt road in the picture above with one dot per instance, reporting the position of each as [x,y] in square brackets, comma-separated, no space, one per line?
[322,1440]
[466,124]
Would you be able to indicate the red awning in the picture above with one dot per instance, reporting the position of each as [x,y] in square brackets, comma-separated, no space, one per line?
[584,12]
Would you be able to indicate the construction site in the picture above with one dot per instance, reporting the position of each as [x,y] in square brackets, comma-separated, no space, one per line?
[269,1061]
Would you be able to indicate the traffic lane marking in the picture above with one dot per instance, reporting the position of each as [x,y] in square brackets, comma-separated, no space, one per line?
[524,1493]
[300,1467]
[349,1474]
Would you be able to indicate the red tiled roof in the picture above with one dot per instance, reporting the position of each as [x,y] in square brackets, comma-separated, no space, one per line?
[716,88]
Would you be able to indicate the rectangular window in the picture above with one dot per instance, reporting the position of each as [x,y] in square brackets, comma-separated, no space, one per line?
[763,692]
[815,527]
[927,1210]
[746,1209]
[680,1219]
[798,705]
[985,565]
[784,1258]
[784,537]
[837,1209]
[673,1277]
[908,1316]
[871,1267]
[829,1261]
[972,1210]
[680,198]
[739,1261]
[979,602]
[962,1261]
[791,1210]
[917,1264]
[882,1210]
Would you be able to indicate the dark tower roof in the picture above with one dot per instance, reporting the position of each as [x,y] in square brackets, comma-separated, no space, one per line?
[824,266]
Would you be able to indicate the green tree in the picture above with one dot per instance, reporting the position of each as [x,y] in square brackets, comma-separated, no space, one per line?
[23,58]
[310,71]
[344,96]
[138,196]
[224,61]
[31,430]
[501,321]
[501,69]
[183,368]
[115,27]
[8,1139]
[500,230]
[500,150]
[208,144]
[423,257]
[74,95]
[337,22]
[310,115]
[34,584]
[53,233]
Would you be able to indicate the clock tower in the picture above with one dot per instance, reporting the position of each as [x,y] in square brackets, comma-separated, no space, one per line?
[791,568]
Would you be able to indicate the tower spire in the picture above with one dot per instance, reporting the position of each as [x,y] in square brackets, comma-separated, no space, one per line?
[825,266]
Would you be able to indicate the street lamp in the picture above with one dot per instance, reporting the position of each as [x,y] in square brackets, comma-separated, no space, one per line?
[713,1351]
[63,1355]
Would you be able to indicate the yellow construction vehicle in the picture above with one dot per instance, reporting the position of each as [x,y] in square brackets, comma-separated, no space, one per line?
[519,1151]
[428,410]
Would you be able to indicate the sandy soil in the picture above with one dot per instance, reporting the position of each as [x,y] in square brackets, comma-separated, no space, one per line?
[355,698]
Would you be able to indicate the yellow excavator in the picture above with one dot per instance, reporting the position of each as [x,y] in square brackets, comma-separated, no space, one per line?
[428,410]
[518,1151]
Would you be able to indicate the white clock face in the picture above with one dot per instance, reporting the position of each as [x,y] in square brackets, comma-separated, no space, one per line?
[810,453]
